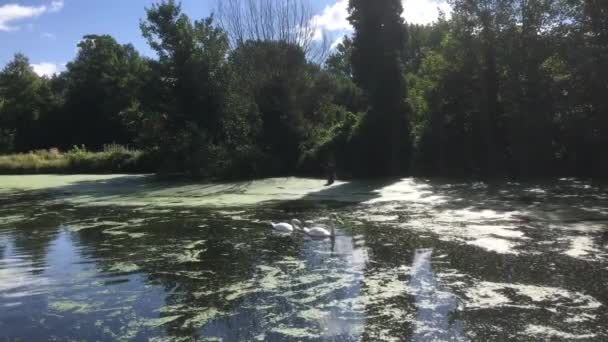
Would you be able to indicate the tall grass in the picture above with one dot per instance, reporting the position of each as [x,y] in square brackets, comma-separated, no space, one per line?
[113,159]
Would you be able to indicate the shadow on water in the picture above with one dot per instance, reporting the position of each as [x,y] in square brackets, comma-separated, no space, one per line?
[550,197]
[273,192]
[358,191]
[341,195]
[131,185]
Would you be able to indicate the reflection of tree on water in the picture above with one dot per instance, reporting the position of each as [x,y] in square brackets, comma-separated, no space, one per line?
[33,235]
[194,265]
[346,257]
[254,280]
[20,277]
[302,298]
[436,307]
[3,244]
[34,245]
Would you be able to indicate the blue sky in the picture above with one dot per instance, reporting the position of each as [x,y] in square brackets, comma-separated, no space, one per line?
[47,31]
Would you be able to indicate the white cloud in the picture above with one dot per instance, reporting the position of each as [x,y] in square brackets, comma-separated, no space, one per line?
[46,69]
[335,17]
[15,12]
[424,11]
[48,35]
[56,6]
[336,43]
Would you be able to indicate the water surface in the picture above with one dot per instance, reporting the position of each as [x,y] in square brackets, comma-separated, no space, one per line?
[105,259]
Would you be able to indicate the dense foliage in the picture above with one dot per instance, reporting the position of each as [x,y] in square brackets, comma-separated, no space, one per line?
[512,88]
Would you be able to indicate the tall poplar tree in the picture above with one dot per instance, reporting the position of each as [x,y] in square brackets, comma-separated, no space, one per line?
[378,45]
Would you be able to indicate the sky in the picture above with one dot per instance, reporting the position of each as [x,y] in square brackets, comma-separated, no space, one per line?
[47,31]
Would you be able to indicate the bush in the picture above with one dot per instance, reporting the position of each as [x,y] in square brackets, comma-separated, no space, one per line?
[336,145]
[113,159]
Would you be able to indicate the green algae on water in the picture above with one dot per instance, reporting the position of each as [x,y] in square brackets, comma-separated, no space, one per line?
[6,220]
[158,322]
[124,267]
[295,332]
[72,306]
[201,318]
[193,244]
[187,256]
[137,235]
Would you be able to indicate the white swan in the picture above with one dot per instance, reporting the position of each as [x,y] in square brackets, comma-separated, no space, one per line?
[320,232]
[284,227]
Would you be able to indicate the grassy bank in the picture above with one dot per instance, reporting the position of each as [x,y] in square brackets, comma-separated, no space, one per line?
[113,159]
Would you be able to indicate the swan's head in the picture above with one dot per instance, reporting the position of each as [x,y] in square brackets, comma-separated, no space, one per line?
[296,223]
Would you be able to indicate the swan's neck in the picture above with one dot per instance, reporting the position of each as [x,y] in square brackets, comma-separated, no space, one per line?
[306,230]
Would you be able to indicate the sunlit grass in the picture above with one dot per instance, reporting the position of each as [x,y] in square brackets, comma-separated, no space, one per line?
[113,159]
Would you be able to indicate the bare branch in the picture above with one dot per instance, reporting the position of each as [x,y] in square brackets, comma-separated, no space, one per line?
[290,21]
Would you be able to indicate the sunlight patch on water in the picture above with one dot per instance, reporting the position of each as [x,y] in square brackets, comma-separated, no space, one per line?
[475,215]
[552,333]
[583,247]
[487,295]
[496,230]
[492,244]
[582,227]
[499,238]
[407,190]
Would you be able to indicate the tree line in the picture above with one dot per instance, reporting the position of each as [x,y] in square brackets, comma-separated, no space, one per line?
[501,88]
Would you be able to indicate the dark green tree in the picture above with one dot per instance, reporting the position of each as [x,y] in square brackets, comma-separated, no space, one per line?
[7,133]
[486,21]
[293,98]
[339,62]
[378,45]
[21,104]
[595,24]
[339,65]
[191,77]
[528,106]
[102,84]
